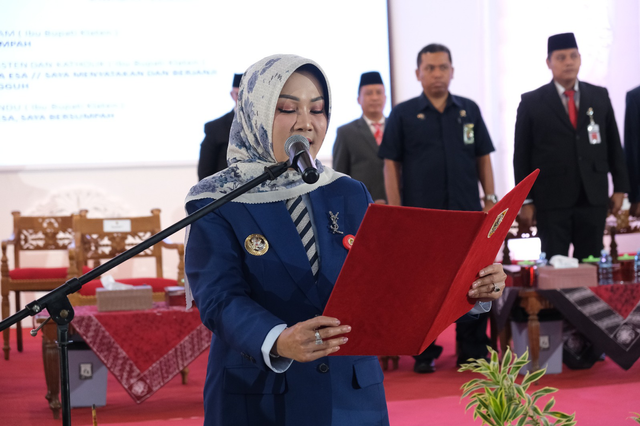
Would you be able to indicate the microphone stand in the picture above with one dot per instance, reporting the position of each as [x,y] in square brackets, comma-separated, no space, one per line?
[60,309]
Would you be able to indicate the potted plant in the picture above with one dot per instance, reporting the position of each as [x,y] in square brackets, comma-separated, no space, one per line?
[499,401]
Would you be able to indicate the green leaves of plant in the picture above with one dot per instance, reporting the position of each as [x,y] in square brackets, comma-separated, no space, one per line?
[498,400]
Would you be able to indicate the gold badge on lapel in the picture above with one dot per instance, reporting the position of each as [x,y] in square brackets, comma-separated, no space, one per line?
[420,116]
[497,222]
[256,244]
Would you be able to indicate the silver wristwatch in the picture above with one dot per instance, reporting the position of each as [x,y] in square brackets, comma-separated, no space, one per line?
[491,197]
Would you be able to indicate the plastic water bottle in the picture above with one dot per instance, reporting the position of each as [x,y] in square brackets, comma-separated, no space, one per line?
[605,269]
[542,260]
[636,267]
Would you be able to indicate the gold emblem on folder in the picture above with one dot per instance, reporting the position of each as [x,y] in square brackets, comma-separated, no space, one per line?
[497,222]
[256,244]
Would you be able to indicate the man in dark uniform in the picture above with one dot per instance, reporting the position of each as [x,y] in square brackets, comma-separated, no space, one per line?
[355,151]
[436,148]
[568,130]
[213,149]
[632,148]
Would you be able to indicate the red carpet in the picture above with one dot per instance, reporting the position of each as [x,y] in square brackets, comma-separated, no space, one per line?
[602,395]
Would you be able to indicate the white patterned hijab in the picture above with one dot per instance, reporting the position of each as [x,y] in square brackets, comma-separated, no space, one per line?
[250,142]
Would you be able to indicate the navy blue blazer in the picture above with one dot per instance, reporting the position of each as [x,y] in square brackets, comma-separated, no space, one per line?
[241,297]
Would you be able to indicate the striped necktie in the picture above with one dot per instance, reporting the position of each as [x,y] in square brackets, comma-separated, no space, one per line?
[300,217]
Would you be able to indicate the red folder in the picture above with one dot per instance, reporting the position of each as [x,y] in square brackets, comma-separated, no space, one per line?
[407,275]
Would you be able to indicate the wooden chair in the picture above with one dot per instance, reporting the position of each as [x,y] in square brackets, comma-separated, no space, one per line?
[97,240]
[33,234]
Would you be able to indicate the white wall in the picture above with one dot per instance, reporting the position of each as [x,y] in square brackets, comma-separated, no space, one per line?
[498,49]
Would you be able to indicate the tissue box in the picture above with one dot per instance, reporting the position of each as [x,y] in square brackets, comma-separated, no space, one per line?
[140,297]
[584,275]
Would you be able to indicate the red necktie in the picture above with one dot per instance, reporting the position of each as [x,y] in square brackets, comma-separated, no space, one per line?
[571,104]
[378,132]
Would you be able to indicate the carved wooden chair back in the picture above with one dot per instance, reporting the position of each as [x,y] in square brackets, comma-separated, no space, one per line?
[98,240]
[104,238]
[33,234]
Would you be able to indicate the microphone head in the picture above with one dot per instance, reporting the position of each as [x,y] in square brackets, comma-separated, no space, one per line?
[297,148]
[293,139]
[310,175]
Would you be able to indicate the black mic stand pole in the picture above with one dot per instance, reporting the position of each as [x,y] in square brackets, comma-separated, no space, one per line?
[60,309]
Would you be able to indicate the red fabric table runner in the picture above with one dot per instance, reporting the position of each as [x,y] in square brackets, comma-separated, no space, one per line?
[143,349]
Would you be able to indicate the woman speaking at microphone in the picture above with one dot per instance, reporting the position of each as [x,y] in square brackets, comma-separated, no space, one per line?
[261,268]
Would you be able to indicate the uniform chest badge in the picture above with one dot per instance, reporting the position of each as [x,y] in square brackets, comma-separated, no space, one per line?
[593,129]
[256,244]
[468,134]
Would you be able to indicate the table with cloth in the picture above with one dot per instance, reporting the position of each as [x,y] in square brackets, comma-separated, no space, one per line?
[608,315]
[143,349]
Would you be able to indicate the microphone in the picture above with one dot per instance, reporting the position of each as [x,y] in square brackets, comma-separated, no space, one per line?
[297,148]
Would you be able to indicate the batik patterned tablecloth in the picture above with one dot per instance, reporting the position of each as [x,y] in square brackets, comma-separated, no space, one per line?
[143,349]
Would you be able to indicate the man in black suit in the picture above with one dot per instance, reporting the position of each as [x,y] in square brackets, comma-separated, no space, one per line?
[568,130]
[213,149]
[355,151]
[632,147]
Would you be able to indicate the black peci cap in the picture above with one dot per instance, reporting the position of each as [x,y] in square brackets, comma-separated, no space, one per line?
[372,77]
[561,41]
[236,80]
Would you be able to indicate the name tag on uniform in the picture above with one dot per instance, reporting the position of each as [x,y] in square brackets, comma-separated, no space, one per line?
[467,134]
[594,134]
[593,129]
